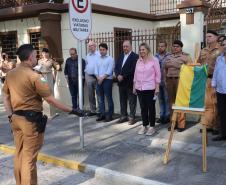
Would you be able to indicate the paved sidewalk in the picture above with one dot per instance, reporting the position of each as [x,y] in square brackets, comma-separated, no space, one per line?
[47,174]
[118,147]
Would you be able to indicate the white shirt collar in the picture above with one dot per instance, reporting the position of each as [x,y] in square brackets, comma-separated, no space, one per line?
[128,53]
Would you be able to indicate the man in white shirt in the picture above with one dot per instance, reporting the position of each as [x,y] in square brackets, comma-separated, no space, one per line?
[91,60]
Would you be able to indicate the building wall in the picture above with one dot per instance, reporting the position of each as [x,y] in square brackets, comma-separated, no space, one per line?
[195,34]
[100,23]
[167,23]
[134,5]
[21,26]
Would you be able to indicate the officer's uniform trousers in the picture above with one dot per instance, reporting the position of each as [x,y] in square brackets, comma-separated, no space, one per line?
[28,142]
[171,85]
[210,118]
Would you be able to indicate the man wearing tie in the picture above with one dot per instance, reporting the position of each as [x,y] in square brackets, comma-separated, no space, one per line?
[124,71]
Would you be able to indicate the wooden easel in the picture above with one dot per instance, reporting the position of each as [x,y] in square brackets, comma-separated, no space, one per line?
[185,110]
[204,135]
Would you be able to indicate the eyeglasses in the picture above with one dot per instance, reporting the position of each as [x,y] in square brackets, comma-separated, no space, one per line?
[175,46]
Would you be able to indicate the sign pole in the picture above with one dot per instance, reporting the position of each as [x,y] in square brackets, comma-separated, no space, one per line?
[80,25]
[80,95]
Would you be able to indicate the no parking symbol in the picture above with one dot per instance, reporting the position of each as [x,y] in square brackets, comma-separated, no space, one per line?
[80,5]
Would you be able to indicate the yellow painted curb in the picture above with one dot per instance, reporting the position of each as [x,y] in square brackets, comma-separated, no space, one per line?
[7,149]
[50,159]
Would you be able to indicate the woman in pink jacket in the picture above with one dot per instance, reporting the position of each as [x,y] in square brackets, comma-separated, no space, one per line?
[146,85]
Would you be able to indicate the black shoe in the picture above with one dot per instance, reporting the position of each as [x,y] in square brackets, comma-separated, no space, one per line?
[207,130]
[108,119]
[215,132]
[180,129]
[167,120]
[92,114]
[159,120]
[122,120]
[78,112]
[101,118]
[164,122]
[132,121]
[219,138]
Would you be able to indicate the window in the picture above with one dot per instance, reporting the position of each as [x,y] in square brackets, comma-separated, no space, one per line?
[120,34]
[35,40]
[8,43]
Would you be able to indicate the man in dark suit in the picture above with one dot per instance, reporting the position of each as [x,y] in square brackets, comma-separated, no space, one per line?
[124,71]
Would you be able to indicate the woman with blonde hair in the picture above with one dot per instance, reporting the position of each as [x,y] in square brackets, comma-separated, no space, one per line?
[146,85]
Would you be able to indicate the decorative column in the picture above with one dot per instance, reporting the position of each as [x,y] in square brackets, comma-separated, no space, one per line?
[51,33]
[192,14]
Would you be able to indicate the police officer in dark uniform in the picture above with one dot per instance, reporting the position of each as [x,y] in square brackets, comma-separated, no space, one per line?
[23,91]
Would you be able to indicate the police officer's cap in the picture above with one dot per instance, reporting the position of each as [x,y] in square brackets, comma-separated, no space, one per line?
[178,42]
[212,32]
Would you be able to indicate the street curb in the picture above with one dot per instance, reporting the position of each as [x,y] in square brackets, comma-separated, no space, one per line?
[106,176]
[50,159]
[111,177]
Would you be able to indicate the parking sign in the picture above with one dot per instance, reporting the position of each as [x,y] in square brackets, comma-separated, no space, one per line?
[80,18]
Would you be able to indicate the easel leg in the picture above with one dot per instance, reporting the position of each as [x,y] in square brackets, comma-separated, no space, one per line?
[166,156]
[204,142]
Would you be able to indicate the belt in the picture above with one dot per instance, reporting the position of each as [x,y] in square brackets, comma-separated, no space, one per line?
[210,76]
[26,112]
[173,77]
[92,76]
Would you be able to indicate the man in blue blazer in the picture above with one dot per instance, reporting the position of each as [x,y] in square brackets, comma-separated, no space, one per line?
[124,71]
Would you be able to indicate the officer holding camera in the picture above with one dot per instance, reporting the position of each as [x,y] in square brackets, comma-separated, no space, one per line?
[23,91]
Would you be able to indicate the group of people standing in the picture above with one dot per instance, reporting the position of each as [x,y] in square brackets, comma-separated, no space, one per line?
[143,75]
[137,75]
[147,77]
[214,55]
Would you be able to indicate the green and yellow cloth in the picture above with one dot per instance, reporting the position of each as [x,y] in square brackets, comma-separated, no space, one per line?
[191,87]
